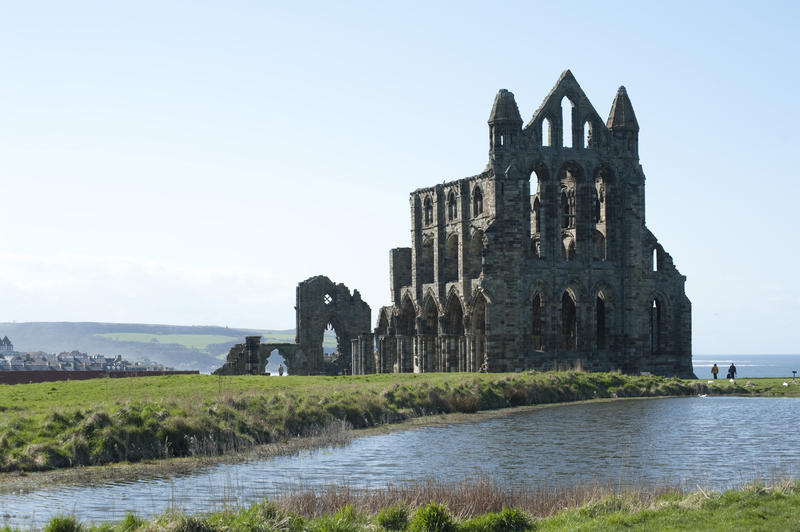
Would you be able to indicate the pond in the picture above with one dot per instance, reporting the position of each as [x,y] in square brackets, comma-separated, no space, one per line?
[716,442]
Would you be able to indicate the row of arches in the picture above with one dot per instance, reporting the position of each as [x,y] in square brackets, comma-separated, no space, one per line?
[568,322]
[449,266]
[567,338]
[570,209]
[432,341]
[455,338]
[451,203]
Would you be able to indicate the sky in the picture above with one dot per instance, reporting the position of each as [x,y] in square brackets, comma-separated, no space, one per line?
[190,162]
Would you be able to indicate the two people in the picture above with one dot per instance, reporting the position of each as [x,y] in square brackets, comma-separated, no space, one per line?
[731,371]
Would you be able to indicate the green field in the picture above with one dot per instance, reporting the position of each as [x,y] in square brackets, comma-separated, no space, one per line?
[202,341]
[100,421]
[191,341]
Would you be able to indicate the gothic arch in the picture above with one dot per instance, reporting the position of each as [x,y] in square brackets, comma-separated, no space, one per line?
[599,252]
[323,304]
[384,321]
[454,315]
[450,265]
[452,206]
[406,317]
[428,210]
[660,319]
[571,170]
[477,245]
[569,320]
[601,321]
[538,318]
[545,131]
[429,319]
[477,201]
[479,360]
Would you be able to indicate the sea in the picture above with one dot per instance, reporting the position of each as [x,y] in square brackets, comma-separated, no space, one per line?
[747,366]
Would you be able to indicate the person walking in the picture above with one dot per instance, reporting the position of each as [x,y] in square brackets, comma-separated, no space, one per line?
[714,370]
[732,371]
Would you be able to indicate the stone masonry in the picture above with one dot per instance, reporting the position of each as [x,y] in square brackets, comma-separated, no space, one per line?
[541,261]
[321,304]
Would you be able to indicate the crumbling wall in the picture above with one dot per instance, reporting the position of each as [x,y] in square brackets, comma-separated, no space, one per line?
[321,304]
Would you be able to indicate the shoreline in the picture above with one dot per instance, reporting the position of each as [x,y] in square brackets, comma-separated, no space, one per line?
[169,467]
[313,413]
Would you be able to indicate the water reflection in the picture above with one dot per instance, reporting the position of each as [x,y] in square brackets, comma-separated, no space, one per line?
[717,442]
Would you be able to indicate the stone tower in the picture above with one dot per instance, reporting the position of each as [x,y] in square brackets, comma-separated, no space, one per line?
[541,261]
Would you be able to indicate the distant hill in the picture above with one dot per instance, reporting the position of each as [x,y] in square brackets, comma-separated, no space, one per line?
[183,347]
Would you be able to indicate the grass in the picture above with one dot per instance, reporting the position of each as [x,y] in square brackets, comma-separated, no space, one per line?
[202,341]
[191,341]
[53,425]
[754,507]
[766,387]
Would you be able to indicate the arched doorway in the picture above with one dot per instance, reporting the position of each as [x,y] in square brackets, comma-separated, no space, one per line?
[480,360]
[569,322]
[537,325]
[454,342]
[385,345]
[276,364]
[427,355]
[658,329]
[405,337]
[601,329]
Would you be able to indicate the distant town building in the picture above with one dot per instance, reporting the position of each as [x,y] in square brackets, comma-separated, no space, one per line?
[70,361]
[6,346]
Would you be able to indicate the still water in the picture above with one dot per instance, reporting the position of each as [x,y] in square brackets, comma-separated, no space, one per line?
[715,441]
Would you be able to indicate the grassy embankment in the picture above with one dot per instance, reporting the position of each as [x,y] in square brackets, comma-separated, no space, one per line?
[61,424]
[487,508]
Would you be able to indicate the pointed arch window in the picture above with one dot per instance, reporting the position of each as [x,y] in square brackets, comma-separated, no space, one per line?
[587,135]
[547,132]
[600,322]
[566,122]
[537,215]
[569,322]
[656,324]
[536,312]
[477,201]
[599,246]
[428,210]
[425,262]
[450,270]
[452,207]
[568,249]
[475,261]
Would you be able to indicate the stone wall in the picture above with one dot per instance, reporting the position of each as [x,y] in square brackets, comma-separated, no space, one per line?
[541,261]
[321,305]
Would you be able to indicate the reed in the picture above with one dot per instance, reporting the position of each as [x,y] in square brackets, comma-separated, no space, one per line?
[482,505]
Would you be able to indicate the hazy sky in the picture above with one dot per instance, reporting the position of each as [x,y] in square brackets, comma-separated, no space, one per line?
[190,162]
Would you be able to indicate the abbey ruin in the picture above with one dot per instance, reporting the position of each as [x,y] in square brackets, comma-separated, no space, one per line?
[542,261]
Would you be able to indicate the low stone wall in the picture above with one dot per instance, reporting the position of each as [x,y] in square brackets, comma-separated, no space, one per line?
[24,377]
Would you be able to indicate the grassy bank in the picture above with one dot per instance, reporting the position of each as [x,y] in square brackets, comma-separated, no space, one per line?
[483,506]
[61,424]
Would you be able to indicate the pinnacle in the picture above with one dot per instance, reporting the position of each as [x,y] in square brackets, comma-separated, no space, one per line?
[622,115]
[505,108]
